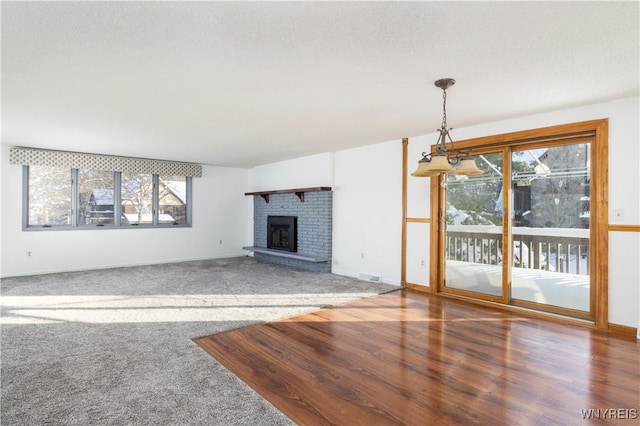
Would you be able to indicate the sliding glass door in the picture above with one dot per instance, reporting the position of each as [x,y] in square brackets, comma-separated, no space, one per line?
[520,233]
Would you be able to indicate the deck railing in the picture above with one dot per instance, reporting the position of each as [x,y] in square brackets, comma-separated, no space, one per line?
[555,249]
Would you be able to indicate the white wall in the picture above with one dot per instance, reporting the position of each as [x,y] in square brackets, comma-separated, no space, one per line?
[219,213]
[624,276]
[304,172]
[367,211]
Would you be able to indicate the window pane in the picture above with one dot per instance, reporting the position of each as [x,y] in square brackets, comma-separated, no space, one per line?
[49,196]
[137,198]
[95,197]
[173,199]
[474,221]
[551,226]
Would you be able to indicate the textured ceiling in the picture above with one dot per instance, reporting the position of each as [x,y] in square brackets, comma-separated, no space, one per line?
[248,83]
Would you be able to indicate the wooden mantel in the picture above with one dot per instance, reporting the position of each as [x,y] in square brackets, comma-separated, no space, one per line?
[298,191]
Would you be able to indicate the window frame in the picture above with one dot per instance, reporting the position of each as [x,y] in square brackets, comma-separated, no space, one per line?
[118,211]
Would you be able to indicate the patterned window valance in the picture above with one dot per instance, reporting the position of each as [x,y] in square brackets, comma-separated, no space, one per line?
[78,160]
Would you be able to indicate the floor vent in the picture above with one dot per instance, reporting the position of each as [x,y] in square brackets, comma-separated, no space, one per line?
[367,277]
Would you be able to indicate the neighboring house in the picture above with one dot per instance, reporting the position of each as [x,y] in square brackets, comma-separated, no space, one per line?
[100,206]
[173,201]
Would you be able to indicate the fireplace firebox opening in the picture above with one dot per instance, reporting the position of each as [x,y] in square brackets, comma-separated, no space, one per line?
[282,233]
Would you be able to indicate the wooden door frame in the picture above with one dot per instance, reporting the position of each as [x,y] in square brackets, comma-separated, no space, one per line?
[599,237]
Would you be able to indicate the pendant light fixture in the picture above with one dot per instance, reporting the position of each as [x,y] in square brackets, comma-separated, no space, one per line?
[443,160]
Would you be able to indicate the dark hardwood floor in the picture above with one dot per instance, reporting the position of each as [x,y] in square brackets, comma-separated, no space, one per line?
[408,358]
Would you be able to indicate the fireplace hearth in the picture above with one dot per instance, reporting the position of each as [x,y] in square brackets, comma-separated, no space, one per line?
[282,233]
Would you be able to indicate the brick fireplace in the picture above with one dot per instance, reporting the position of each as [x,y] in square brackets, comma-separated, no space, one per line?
[293,227]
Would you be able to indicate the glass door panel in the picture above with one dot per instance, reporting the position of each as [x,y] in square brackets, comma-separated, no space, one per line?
[550,227]
[474,229]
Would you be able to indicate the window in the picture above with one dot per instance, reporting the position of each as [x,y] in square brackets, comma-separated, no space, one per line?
[60,198]
[73,190]
[172,199]
[49,196]
[137,198]
[96,197]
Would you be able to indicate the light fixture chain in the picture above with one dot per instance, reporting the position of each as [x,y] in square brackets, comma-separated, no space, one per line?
[444,109]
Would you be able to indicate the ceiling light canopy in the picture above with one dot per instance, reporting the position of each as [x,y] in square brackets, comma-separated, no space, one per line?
[445,160]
